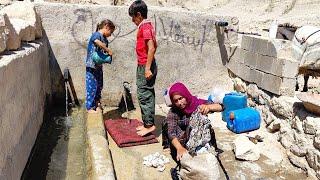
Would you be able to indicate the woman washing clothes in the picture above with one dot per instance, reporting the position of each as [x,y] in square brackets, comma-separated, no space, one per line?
[188,129]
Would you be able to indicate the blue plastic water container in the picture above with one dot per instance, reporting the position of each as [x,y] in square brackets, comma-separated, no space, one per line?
[246,119]
[233,101]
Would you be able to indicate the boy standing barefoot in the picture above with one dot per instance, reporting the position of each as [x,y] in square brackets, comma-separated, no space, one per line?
[146,46]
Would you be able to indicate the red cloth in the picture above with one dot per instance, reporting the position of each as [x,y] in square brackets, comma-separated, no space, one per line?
[124,133]
[145,32]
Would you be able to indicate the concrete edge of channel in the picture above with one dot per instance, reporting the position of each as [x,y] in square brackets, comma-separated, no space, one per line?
[100,160]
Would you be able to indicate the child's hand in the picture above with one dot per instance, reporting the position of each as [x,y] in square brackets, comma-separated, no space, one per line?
[108,51]
[148,74]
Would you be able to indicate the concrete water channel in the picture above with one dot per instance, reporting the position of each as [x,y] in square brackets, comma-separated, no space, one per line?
[60,149]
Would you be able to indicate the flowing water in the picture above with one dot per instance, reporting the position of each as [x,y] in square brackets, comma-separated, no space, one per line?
[60,149]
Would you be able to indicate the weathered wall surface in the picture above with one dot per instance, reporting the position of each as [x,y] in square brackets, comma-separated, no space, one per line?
[188,46]
[24,88]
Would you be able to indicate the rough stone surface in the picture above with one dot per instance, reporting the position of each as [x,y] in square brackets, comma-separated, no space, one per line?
[25,31]
[286,136]
[27,13]
[3,33]
[274,126]
[311,102]
[175,57]
[313,159]
[245,149]
[239,85]
[282,106]
[316,141]
[311,125]
[13,39]
[27,84]
[298,162]
[297,125]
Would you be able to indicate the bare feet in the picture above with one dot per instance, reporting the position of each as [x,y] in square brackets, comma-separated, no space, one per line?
[143,131]
[139,128]
[92,111]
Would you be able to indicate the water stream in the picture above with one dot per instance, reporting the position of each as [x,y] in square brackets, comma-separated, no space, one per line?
[60,150]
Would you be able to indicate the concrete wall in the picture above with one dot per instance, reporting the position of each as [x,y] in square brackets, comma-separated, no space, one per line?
[188,46]
[24,89]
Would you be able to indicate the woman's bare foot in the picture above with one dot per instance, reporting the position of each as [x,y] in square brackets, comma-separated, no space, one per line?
[143,131]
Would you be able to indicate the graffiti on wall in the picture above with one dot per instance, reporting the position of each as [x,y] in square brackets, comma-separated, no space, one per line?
[167,30]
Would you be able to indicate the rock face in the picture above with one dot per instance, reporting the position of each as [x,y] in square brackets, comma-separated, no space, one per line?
[28,21]
[3,34]
[245,149]
[13,40]
[311,102]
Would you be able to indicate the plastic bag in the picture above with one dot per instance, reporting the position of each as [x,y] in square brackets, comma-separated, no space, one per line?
[217,95]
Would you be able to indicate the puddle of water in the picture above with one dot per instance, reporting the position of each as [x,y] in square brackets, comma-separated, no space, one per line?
[60,150]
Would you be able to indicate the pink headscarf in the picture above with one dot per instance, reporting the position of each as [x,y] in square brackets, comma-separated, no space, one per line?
[192,101]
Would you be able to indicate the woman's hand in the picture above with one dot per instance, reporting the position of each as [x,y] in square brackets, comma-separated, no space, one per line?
[206,108]
[180,152]
[108,51]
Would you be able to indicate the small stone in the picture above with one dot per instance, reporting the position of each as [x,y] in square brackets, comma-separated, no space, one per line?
[311,125]
[311,102]
[245,149]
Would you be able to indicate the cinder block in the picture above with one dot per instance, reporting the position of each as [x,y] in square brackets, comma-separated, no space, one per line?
[271,83]
[288,86]
[256,76]
[265,64]
[236,53]
[250,59]
[265,46]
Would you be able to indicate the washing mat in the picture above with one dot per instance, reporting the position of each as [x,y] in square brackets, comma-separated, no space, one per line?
[124,133]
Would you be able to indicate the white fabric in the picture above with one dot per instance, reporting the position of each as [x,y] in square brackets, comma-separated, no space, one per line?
[308,51]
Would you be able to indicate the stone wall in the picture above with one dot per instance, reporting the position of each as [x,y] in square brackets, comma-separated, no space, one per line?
[296,128]
[188,46]
[24,91]
[266,62]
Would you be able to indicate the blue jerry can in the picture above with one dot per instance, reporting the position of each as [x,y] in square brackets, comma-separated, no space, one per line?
[243,120]
[233,101]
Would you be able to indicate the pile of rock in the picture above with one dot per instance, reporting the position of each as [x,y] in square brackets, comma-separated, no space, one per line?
[297,129]
[18,22]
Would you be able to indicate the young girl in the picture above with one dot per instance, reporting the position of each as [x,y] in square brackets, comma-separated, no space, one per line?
[94,74]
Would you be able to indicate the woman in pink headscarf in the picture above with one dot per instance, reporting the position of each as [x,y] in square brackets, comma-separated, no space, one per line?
[183,105]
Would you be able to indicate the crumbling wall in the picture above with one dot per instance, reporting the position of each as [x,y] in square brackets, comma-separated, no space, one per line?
[188,48]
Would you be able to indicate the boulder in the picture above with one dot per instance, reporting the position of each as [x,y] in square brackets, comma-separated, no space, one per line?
[25,11]
[13,39]
[245,149]
[239,85]
[310,101]
[274,126]
[313,159]
[311,125]
[283,106]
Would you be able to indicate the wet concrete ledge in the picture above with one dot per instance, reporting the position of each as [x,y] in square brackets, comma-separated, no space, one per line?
[100,161]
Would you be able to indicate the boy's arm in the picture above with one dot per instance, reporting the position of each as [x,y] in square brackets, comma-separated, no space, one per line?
[150,58]
[103,46]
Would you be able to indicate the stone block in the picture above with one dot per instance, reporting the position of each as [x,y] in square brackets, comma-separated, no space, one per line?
[13,39]
[27,13]
[264,46]
[25,31]
[271,83]
[287,87]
